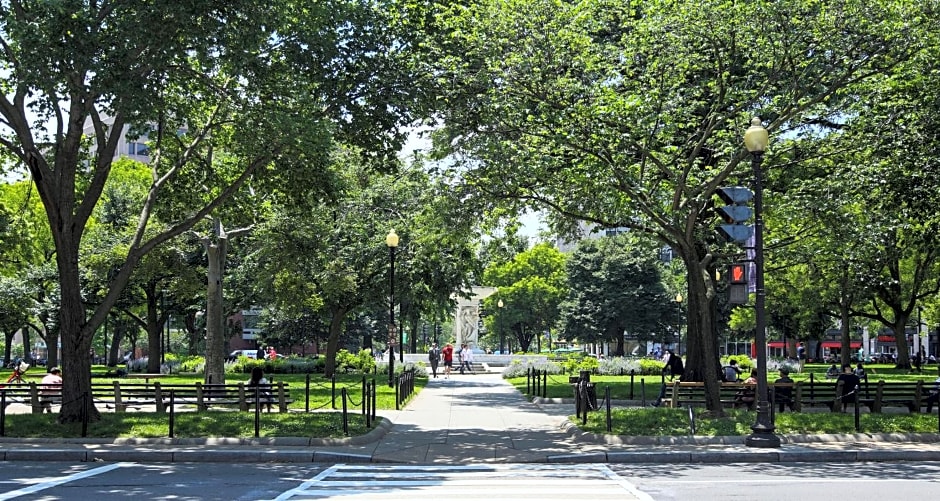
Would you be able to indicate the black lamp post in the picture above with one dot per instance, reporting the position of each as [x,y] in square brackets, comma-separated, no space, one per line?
[499,304]
[755,139]
[392,241]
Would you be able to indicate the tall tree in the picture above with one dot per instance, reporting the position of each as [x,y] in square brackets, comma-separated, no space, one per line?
[615,287]
[531,287]
[262,84]
[631,114]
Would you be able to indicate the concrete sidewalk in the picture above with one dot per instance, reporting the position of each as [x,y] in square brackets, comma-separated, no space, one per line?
[481,418]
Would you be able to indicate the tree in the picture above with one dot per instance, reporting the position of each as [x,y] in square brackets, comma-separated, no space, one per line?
[256,83]
[531,287]
[614,287]
[631,115]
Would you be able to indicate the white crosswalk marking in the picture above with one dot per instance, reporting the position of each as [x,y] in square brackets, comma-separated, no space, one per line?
[473,483]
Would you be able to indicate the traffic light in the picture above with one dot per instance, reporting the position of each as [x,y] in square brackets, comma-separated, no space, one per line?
[737,289]
[735,214]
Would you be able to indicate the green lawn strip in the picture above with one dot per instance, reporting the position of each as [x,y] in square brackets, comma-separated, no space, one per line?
[675,422]
[189,425]
[320,387]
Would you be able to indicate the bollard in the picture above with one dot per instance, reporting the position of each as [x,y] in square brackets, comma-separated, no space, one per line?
[691,421]
[257,412]
[643,393]
[3,412]
[172,413]
[632,374]
[374,391]
[364,396]
[397,390]
[811,397]
[85,413]
[545,383]
[584,407]
[333,391]
[858,424]
[610,423]
[528,379]
[307,394]
[345,416]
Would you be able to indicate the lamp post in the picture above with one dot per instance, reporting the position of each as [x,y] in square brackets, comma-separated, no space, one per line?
[499,304]
[679,323]
[391,240]
[162,344]
[755,139]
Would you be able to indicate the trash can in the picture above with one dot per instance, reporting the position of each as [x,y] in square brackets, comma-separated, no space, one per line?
[590,394]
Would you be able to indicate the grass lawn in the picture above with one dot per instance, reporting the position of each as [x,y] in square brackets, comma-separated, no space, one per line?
[189,425]
[675,422]
[224,423]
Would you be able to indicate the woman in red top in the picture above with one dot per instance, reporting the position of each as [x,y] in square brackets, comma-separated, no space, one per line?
[448,354]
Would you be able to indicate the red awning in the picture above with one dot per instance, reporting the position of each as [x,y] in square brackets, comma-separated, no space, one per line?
[886,339]
[838,344]
[776,344]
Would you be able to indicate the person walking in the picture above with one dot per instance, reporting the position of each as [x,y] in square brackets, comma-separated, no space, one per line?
[448,354]
[466,359]
[434,358]
[801,355]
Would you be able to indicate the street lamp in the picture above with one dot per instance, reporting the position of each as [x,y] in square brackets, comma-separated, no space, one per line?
[755,139]
[679,322]
[499,304]
[391,240]
[162,343]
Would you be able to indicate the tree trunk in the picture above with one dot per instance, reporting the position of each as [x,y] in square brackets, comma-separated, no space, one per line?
[332,344]
[7,348]
[702,341]
[154,337]
[215,330]
[114,354]
[77,336]
[845,332]
[900,340]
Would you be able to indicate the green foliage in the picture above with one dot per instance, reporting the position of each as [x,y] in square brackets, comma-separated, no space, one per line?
[651,366]
[745,363]
[519,368]
[192,363]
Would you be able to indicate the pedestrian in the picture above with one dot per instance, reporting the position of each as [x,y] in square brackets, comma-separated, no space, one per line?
[934,396]
[850,383]
[51,389]
[917,362]
[674,364]
[783,389]
[272,355]
[745,397]
[801,355]
[260,354]
[466,359]
[731,371]
[261,386]
[448,354]
[434,358]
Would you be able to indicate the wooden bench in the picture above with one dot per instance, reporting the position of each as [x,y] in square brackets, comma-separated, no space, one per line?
[909,394]
[680,394]
[121,397]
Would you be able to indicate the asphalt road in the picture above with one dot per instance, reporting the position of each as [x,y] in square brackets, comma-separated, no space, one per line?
[597,482]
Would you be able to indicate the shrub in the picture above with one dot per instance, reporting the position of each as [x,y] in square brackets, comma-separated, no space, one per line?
[619,365]
[650,366]
[744,363]
[192,363]
[518,368]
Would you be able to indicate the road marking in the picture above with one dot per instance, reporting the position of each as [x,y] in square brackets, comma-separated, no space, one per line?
[64,480]
[482,483]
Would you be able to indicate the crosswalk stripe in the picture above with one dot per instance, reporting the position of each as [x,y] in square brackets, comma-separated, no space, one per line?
[477,482]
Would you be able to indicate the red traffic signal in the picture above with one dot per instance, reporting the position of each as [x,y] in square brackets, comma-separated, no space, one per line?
[738,273]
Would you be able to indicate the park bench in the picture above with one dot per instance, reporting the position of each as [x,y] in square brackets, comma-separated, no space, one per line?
[121,397]
[909,394]
[685,394]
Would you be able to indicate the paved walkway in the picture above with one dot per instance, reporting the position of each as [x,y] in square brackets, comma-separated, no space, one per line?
[481,418]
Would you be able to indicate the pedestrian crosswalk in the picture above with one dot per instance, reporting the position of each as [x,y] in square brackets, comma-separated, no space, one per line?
[467,483]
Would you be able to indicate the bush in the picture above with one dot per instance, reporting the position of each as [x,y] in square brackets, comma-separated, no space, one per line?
[651,366]
[193,363]
[518,368]
[744,363]
[619,365]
